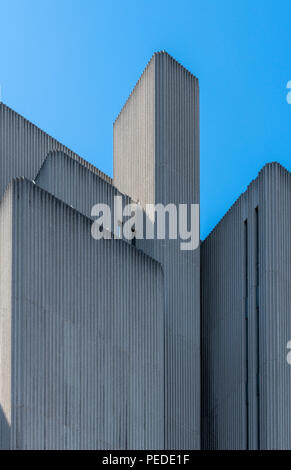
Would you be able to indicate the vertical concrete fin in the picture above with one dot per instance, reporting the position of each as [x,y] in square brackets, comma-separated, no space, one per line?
[5,319]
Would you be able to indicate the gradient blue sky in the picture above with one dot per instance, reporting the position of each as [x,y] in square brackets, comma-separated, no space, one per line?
[69,65]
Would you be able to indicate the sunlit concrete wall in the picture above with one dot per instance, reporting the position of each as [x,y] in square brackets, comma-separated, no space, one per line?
[156,160]
[86,358]
[78,186]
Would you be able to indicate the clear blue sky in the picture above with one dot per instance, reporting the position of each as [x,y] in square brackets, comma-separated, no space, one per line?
[69,65]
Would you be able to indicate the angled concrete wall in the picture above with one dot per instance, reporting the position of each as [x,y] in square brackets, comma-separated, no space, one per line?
[134,152]
[246,322]
[87,350]
[76,185]
[156,160]
[23,148]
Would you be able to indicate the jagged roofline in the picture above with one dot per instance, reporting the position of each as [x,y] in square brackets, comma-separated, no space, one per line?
[146,67]
[87,164]
[23,179]
[261,171]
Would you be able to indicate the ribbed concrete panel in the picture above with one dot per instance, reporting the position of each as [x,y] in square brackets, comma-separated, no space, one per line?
[134,152]
[223,335]
[173,144]
[275,307]
[76,185]
[87,333]
[23,148]
[246,323]
[5,319]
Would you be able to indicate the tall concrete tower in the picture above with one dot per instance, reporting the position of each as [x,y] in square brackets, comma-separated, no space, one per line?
[156,160]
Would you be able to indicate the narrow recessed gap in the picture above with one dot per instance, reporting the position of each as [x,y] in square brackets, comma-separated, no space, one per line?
[246,331]
[257,324]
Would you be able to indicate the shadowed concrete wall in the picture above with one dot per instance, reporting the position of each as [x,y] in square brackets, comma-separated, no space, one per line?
[156,160]
[246,322]
[87,332]
[23,148]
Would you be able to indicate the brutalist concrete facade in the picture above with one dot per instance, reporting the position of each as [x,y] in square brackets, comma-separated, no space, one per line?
[246,321]
[100,340]
[82,332]
[93,351]
[156,160]
[76,185]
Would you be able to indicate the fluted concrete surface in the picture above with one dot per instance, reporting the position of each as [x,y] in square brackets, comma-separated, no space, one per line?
[86,359]
[23,148]
[246,322]
[156,160]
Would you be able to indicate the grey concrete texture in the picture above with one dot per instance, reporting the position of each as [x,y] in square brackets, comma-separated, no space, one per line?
[23,148]
[82,332]
[246,322]
[56,169]
[76,185]
[100,341]
[156,160]
[5,319]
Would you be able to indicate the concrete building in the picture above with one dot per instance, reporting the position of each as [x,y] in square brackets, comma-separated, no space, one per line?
[246,322]
[156,160]
[81,357]
[100,341]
